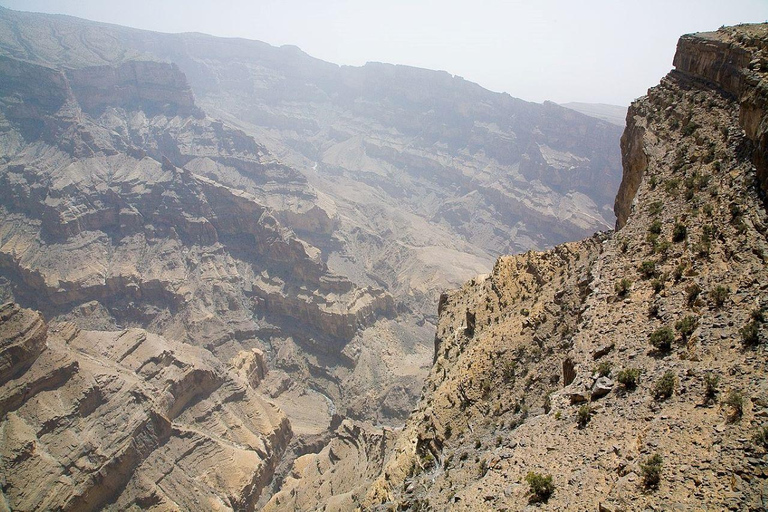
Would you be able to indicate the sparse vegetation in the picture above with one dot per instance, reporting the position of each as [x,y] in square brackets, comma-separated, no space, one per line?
[647,269]
[750,334]
[583,415]
[540,486]
[761,437]
[603,369]
[655,208]
[735,400]
[622,286]
[677,275]
[689,128]
[671,185]
[692,292]
[686,326]
[711,384]
[662,339]
[651,471]
[629,378]
[665,386]
[662,248]
[719,295]
[679,232]
[655,227]
[657,285]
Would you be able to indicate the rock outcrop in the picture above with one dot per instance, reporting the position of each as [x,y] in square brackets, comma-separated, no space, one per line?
[587,361]
[128,419]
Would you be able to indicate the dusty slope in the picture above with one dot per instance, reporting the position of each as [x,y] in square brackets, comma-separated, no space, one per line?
[530,369]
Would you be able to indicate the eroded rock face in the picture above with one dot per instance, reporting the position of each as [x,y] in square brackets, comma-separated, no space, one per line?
[124,204]
[541,383]
[432,177]
[114,420]
[336,476]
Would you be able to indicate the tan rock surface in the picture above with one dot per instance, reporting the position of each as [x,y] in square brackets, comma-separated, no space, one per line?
[128,419]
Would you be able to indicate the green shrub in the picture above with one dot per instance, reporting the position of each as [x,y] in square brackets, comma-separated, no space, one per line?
[655,208]
[603,369]
[761,437]
[651,471]
[662,248]
[750,334]
[629,378]
[657,285]
[703,248]
[662,339]
[679,232]
[677,274]
[689,128]
[540,486]
[711,384]
[647,269]
[736,213]
[686,326]
[655,227]
[719,295]
[671,185]
[665,386]
[583,415]
[692,292]
[622,286]
[735,400]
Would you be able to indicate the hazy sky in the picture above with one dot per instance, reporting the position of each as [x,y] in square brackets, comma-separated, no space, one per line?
[560,50]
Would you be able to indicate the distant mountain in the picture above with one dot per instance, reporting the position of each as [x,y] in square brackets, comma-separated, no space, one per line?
[614,114]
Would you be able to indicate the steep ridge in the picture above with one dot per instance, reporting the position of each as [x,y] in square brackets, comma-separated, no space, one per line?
[127,419]
[585,361]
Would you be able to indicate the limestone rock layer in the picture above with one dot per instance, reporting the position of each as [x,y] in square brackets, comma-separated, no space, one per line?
[128,419]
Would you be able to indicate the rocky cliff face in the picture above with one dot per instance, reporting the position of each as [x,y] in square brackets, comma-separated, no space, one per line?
[585,361]
[127,419]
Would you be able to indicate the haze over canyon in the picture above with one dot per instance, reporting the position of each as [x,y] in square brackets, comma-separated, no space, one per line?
[225,271]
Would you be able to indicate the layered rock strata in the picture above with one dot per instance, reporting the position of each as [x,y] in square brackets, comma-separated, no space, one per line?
[128,419]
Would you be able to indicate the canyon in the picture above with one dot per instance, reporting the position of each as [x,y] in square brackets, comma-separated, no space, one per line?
[291,221]
[224,269]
